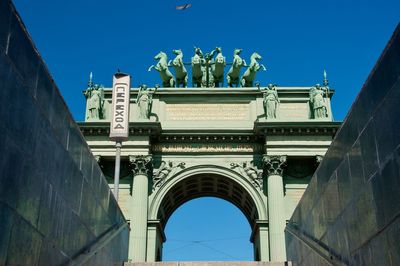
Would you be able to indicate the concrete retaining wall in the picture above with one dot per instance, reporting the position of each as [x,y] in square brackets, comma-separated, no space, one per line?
[351,208]
[54,200]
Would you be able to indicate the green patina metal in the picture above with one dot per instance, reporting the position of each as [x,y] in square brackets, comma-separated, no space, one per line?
[207,69]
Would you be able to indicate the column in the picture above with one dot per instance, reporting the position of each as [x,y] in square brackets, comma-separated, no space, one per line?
[141,166]
[276,209]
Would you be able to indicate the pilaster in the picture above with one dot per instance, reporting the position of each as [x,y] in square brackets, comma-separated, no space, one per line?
[260,239]
[155,240]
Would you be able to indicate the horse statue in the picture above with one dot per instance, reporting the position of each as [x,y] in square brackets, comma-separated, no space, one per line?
[181,74]
[234,72]
[162,67]
[217,68]
[250,73]
[197,71]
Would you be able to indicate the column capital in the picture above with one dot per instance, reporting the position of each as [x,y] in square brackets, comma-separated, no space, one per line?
[274,165]
[141,164]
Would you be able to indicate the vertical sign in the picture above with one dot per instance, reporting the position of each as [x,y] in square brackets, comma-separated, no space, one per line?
[119,127]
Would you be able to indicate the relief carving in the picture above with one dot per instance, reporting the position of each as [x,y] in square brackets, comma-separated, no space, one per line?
[166,169]
[248,169]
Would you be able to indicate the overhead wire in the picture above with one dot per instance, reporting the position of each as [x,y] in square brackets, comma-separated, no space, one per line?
[202,243]
[208,240]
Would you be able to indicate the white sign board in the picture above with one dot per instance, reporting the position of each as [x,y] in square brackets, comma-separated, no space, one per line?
[119,127]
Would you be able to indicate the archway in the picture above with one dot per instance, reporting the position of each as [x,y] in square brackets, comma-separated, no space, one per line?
[207,181]
[207,229]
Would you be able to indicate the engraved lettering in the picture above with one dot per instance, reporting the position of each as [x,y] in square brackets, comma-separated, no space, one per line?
[207,112]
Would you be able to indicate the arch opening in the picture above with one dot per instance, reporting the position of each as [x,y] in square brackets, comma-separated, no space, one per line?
[207,185]
[207,181]
[207,229]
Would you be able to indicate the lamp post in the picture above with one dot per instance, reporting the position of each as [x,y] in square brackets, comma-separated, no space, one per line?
[119,126]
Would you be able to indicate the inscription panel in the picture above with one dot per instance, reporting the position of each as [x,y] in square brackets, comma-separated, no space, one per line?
[293,111]
[207,111]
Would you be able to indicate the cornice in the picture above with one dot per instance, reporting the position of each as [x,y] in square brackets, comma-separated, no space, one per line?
[282,90]
[260,130]
[296,128]
[135,128]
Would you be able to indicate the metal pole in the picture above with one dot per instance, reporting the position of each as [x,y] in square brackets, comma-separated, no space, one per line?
[118,146]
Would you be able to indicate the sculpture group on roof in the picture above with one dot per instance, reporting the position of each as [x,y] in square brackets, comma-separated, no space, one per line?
[207,69]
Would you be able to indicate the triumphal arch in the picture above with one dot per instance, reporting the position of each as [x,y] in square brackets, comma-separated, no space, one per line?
[225,136]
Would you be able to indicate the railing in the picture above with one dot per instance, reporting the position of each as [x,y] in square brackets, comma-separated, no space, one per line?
[95,247]
[319,248]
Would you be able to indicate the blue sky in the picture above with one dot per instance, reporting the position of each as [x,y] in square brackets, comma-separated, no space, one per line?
[297,39]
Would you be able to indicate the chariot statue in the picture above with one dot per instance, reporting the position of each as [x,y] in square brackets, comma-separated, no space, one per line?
[162,67]
[181,74]
[234,72]
[250,74]
[217,68]
[204,69]
[207,69]
[197,71]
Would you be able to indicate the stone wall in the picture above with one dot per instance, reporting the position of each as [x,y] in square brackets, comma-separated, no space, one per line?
[54,200]
[350,213]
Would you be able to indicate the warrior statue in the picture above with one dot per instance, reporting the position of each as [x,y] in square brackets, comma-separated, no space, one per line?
[144,101]
[270,101]
[317,102]
[95,100]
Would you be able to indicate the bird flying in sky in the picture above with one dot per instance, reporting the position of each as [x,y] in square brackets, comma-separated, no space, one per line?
[183,7]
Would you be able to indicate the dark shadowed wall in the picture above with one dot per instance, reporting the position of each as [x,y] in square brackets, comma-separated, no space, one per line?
[54,200]
[350,213]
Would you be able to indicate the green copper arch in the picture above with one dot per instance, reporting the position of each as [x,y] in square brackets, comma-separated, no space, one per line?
[227,183]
